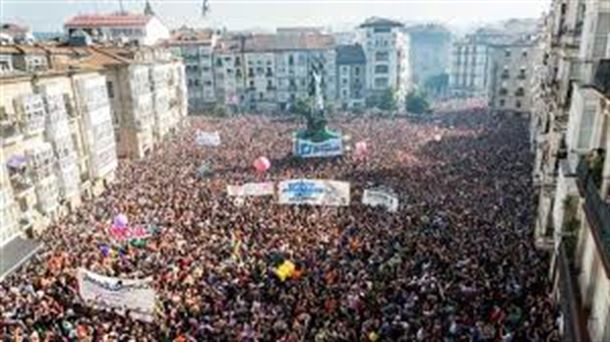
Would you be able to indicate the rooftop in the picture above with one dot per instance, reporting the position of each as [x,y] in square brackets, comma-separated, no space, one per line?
[190,36]
[108,20]
[375,21]
[350,54]
[275,42]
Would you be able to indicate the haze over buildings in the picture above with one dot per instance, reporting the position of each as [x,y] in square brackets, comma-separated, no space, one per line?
[247,14]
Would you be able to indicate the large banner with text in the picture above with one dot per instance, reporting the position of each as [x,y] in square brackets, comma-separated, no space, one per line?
[135,295]
[251,189]
[379,197]
[207,138]
[314,192]
[309,149]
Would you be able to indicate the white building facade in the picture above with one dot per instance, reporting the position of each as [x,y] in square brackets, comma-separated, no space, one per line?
[386,46]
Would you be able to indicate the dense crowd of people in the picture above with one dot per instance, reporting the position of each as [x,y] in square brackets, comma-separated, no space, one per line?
[455,263]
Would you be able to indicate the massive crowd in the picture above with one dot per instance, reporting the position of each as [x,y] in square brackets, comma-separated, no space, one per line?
[455,263]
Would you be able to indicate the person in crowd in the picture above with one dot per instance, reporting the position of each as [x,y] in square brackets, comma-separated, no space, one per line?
[456,262]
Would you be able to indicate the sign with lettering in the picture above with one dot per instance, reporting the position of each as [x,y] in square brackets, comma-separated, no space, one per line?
[251,189]
[207,138]
[134,295]
[314,192]
[308,149]
[378,197]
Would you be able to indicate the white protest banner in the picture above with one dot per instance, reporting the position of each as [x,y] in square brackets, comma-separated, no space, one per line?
[135,295]
[308,149]
[207,138]
[378,197]
[251,189]
[314,192]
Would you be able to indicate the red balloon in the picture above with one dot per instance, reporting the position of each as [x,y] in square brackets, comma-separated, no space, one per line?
[262,164]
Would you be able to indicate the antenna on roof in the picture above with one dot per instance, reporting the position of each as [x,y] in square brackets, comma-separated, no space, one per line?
[121,7]
[205,8]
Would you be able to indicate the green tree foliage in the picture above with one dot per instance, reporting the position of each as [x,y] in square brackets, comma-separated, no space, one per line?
[387,100]
[417,103]
[437,84]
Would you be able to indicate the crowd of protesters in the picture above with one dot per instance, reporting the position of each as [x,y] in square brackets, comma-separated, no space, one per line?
[456,262]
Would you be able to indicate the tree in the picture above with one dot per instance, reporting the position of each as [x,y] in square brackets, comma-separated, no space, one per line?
[416,102]
[387,100]
[300,107]
[437,84]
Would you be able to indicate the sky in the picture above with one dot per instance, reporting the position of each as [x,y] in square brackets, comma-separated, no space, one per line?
[49,15]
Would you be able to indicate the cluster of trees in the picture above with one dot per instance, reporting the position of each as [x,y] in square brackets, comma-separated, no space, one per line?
[415,102]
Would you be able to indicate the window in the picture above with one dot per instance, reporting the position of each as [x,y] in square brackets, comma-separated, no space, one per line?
[518,104]
[196,83]
[520,91]
[381,69]
[503,91]
[381,82]
[586,127]
[290,60]
[381,30]
[344,80]
[382,56]
[502,102]
[356,70]
[110,89]
[524,54]
[251,84]
[507,53]
[344,69]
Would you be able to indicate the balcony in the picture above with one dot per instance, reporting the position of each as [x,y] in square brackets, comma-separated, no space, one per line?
[11,132]
[596,209]
[574,322]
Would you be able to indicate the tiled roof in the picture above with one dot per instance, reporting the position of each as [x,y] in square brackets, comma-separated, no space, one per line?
[190,36]
[350,54]
[275,42]
[113,20]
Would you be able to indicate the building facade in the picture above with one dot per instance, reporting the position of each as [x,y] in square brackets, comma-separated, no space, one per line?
[63,127]
[49,150]
[387,49]
[145,29]
[195,47]
[269,72]
[511,73]
[351,76]
[469,68]
[571,170]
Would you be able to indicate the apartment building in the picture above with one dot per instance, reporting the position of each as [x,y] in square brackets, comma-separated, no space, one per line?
[63,126]
[469,67]
[52,147]
[269,72]
[511,71]
[195,47]
[387,49]
[351,76]
[571,171]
